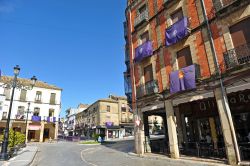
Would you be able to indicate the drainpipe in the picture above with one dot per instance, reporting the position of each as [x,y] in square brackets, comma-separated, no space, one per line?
[218,73]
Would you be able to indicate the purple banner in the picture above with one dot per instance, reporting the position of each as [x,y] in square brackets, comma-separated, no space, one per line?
[36,118]
[183,79]
[143,51]
[109,124]
[51,119]
[177,31]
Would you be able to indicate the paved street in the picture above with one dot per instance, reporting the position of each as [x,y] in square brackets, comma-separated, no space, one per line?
[67,153]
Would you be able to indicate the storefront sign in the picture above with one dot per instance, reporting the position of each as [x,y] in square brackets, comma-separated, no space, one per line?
[34,127]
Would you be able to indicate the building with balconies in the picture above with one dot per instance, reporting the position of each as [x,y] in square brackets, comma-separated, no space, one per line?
[189,64]
[111,117]
[42,114]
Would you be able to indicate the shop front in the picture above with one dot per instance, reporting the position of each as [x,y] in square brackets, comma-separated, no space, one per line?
[200,132]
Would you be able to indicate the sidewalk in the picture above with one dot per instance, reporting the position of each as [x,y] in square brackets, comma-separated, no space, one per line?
[23,158]
[181,161]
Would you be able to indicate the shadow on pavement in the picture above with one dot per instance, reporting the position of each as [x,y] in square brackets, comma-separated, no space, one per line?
[121,145]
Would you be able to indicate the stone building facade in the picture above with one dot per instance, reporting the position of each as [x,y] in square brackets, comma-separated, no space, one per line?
[110,116]
[188,62]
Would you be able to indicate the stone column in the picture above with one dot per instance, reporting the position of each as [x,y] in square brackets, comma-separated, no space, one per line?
[173,143]
[213,132]
[179,126]
[139,135]
[41,132]
[146,131]
[228,139]
[56,130]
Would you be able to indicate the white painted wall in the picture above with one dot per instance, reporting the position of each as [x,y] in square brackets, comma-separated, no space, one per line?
[30,97]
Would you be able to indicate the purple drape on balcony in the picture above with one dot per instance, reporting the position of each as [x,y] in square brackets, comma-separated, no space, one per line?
[109,124]
[143,51]
[36,118]
[177,31]
[183,79]
[51,119]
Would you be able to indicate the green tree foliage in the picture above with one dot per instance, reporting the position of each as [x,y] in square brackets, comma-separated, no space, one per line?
[15,138]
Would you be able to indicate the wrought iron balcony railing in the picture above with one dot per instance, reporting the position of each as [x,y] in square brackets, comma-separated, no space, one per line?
[148,88]
[141,18]
[224,7]
[237,56]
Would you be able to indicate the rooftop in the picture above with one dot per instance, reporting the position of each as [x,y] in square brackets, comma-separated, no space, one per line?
[27,82]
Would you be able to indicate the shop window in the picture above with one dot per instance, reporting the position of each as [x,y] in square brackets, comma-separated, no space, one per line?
[23,95]
[148,73]
[1,130]
[242,126]
[184,57]
[176,16]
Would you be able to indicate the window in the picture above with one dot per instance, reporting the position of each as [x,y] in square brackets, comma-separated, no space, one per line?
[93,119]
[52,98]
[176,16]
[7,93]
[38,96]
[142,9]
[36,111]
[4,116]
[20,112]
[51,112]
[144,37]
[108,108]
[123,108]
[184,58]
[148,73]
[240,33]
[23,95]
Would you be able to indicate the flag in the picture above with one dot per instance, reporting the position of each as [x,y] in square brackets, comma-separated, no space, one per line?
[143,51]
[177,31]
[183,79]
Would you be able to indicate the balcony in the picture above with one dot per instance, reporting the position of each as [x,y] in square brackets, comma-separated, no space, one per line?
[141,18]
[237,56]
[143,51]
[51,119]
[177,31]
[148,88]
[20,117]
[36,118]
[169,3]
[225,7]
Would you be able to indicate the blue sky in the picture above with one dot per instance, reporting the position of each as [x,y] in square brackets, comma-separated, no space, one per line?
[77,45]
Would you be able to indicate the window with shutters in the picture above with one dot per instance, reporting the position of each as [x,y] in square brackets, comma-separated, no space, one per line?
[184,58]
[177,15]
[52,98]
[148,73]
[20,112]
[240,33]
[36,111]
[38,96]
[23,95]
[51,112]
[7,93]
[144,37]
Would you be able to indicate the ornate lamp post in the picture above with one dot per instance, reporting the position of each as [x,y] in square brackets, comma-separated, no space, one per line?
[14,84]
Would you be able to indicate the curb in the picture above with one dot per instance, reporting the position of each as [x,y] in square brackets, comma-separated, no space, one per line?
[180,161]
[28,164]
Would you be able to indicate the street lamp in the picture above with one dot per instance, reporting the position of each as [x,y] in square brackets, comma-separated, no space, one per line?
[26,121]
[14,84]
